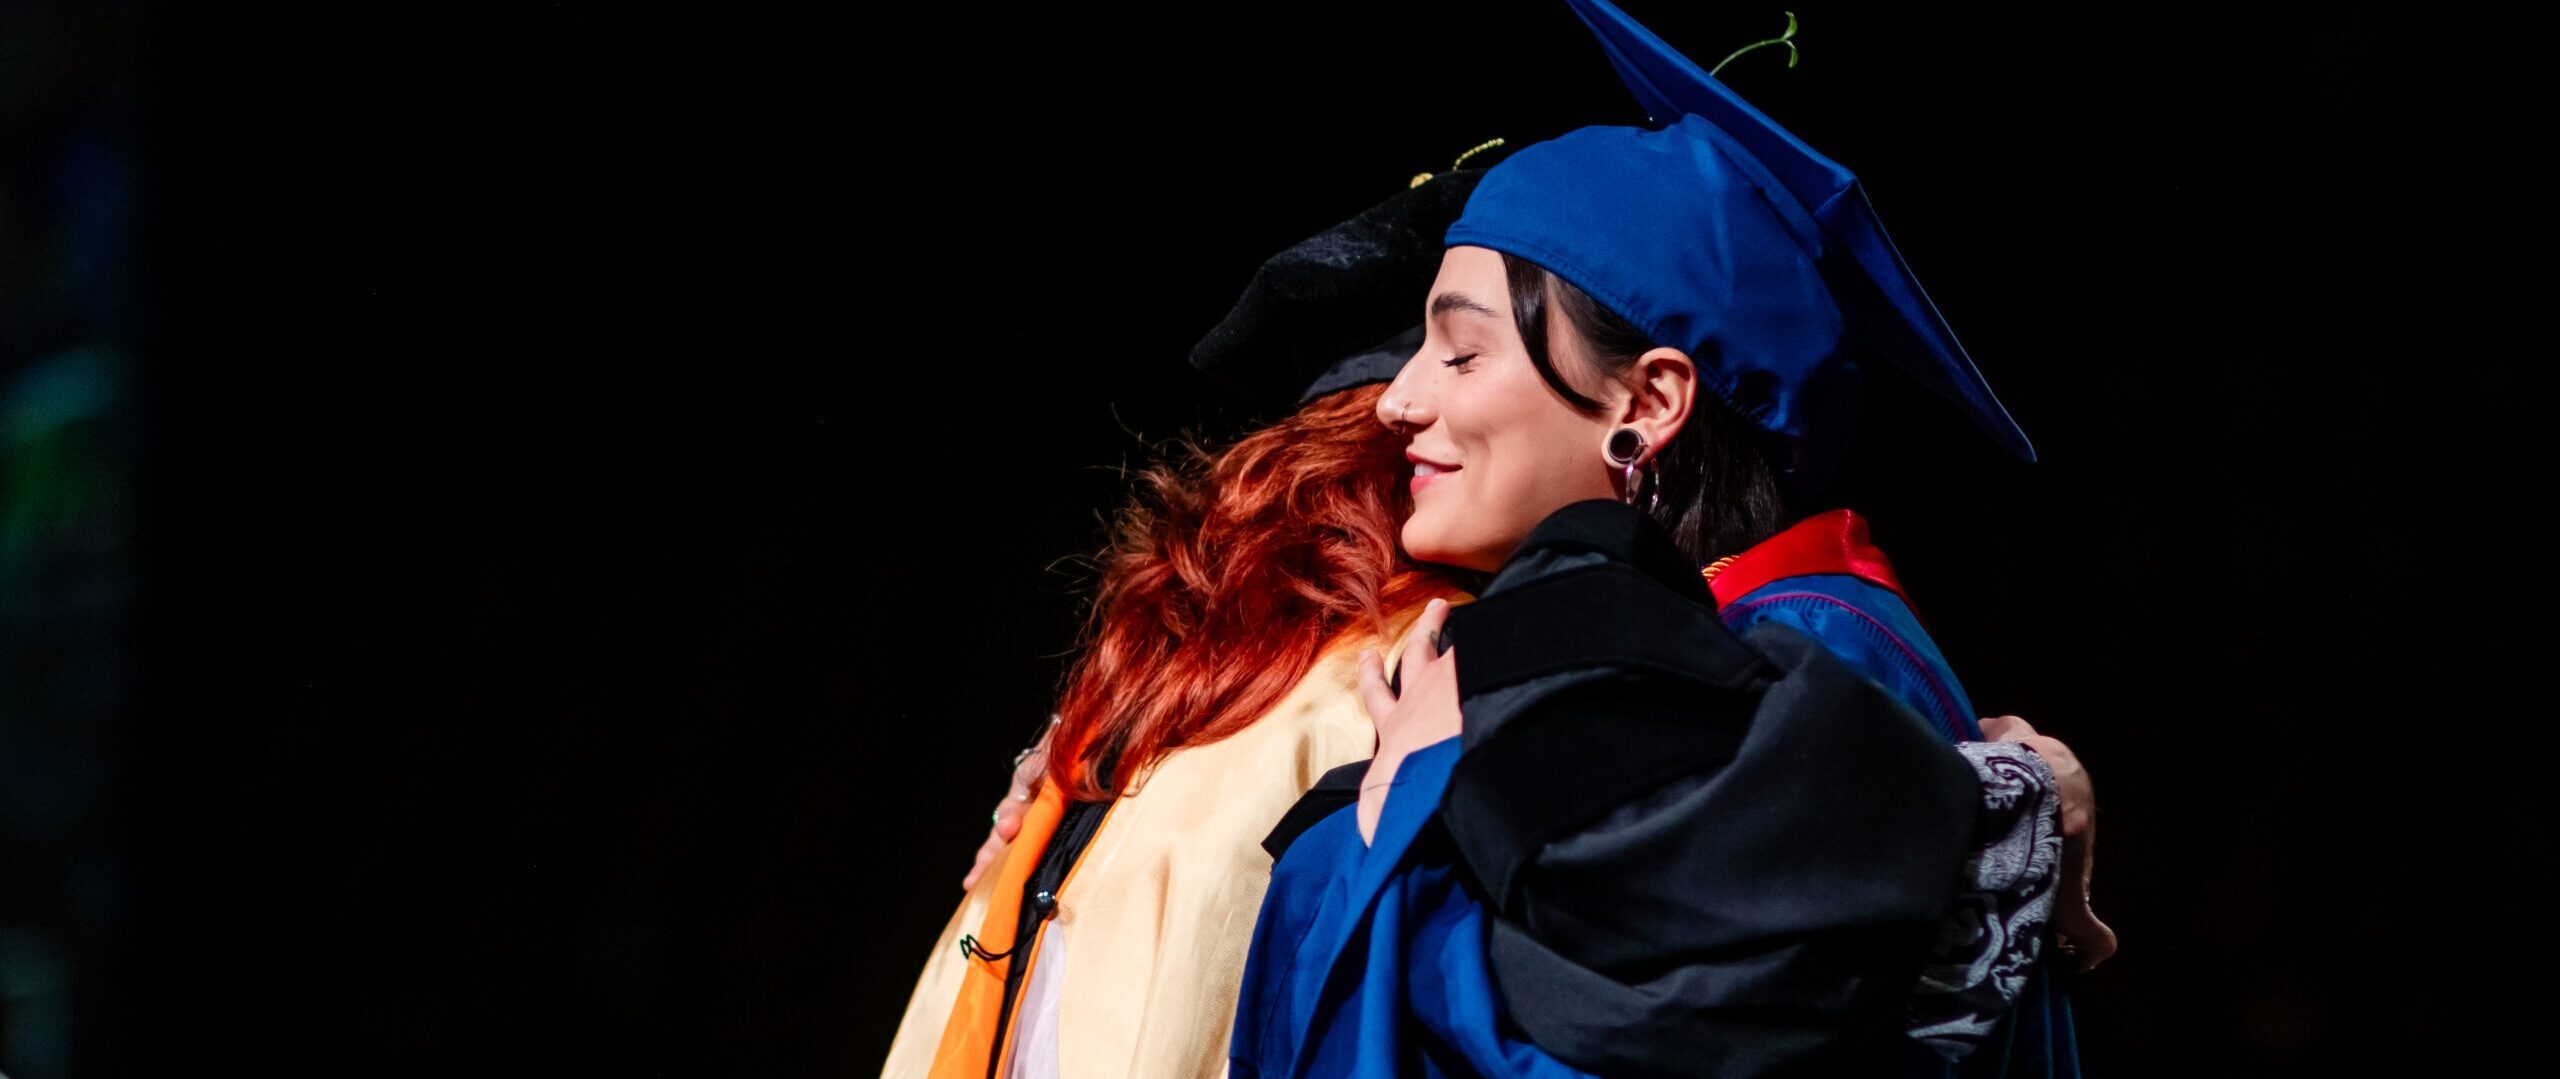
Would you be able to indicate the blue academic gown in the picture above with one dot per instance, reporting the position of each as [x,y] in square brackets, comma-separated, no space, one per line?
[1408,991]
[1369,958]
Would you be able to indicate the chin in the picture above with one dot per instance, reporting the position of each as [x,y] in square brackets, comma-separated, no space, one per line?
[1423,544]
[1428,544]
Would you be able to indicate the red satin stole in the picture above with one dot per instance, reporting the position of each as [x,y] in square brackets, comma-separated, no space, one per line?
[1833,542]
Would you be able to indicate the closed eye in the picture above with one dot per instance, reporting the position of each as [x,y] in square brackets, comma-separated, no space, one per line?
[1458,361]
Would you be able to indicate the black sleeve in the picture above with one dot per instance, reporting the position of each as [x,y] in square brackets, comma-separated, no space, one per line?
[1703,858]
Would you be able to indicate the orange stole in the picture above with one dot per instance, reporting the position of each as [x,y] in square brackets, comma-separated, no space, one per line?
[968,1039]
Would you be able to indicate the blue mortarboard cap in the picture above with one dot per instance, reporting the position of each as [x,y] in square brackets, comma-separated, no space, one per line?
[1683,234]
[1725,235]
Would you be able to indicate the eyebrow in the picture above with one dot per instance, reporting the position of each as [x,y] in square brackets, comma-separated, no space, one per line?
[1458,301]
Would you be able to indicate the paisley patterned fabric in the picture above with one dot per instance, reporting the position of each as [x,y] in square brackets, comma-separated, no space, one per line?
[1988,944]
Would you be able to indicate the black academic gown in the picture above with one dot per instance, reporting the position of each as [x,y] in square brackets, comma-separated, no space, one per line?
[1688,854]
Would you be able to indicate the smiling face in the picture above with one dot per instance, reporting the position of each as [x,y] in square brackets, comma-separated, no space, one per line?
[1494,448]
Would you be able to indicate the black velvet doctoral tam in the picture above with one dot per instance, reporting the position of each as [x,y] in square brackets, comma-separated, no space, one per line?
[1335,310]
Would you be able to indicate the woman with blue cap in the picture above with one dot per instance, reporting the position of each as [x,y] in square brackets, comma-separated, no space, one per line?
[1651,846]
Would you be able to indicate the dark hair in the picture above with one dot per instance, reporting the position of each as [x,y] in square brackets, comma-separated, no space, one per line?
[1718,492]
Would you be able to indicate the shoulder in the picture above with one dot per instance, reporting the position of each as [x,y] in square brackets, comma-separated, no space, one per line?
[1242,785]
[1595,584]
[1786,599]
[1317,726]
[1870,628]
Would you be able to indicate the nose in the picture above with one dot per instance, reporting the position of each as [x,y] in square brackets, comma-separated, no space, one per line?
[1405,407]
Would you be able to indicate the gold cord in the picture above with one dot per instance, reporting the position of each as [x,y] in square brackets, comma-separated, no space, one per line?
[1461,162]
[1421,178]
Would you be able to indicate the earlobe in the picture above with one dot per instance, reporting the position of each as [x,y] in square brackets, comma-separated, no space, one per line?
[1629,453]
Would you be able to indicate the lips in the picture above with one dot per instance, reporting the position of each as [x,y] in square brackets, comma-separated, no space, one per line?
[1427,471]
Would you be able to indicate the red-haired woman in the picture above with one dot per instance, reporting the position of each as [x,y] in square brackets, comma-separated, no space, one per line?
[1215,685]
[1217,680]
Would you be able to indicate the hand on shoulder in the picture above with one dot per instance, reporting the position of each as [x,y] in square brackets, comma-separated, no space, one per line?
[1029,767]
[1420,710]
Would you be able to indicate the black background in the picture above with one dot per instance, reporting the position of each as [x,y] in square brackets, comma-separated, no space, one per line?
[609,473]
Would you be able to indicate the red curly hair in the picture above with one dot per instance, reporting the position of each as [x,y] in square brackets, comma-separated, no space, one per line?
[1226,577]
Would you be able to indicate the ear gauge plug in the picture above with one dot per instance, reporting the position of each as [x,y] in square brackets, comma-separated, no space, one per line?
[1626,447]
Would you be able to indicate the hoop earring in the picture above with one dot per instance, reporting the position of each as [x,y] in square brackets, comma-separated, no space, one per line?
[1626,446]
